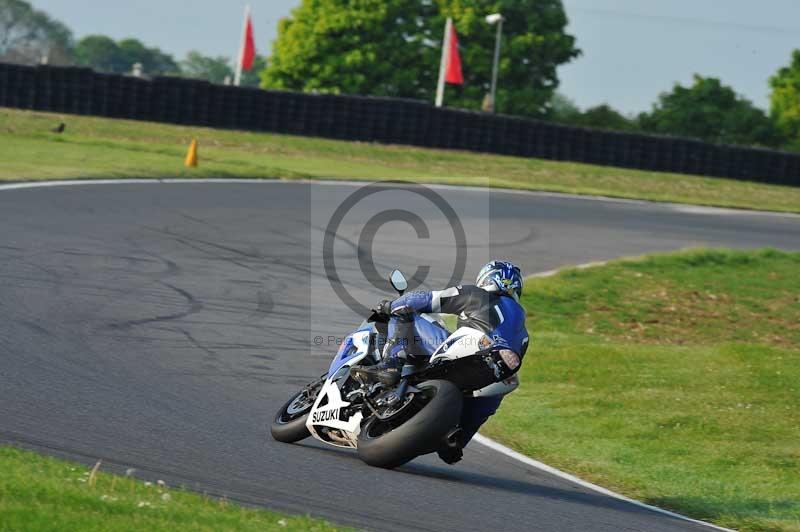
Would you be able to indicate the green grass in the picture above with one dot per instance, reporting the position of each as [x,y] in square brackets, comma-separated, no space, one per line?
[98,147]
[40,493]
[674,379]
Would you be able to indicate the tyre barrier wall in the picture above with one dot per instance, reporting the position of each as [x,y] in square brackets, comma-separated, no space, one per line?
[386,120]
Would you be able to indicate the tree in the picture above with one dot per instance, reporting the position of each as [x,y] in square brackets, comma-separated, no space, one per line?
[605,117]
[364,47]
[213,69]
[785,100]
[710,111]
[392,48]
[216,69]
[28,35]
[252,78]
[562,109]
[153,60]
[102,53]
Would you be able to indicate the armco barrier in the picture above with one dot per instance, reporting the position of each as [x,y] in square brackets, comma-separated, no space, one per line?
[191,102]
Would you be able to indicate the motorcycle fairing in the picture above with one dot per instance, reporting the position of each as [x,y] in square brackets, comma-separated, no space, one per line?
[353,346]
[464,342]
[329,406]
[331,414]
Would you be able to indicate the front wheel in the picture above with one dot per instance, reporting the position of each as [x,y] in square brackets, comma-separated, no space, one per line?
[415,430]
[289,425]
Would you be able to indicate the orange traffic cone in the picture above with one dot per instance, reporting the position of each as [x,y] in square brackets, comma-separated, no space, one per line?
[191,157]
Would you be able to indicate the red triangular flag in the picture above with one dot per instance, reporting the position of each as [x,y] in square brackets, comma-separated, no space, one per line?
[248,46]
[453,74]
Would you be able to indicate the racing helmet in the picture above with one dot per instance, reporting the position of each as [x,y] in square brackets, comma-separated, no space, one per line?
[501,277]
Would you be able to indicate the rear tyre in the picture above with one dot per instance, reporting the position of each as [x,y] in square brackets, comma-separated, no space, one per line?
[415,430]
[289,425]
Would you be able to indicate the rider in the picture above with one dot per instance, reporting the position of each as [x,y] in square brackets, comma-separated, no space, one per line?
[491,306]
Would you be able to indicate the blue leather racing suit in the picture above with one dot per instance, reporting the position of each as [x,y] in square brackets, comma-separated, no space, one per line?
[500,317]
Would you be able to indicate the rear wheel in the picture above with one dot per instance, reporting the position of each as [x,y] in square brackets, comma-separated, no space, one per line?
[415,429]
[289,425]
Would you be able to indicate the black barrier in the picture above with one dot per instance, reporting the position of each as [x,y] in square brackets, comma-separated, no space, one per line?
[386,120]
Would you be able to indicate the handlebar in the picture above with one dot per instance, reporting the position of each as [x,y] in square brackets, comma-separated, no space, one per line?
[377,317]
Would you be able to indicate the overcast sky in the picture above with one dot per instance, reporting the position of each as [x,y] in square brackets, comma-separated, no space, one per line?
[633,49]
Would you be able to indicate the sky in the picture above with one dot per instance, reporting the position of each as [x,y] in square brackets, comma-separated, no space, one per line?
[632,49]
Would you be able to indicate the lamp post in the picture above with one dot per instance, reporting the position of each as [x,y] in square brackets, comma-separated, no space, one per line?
[495,19]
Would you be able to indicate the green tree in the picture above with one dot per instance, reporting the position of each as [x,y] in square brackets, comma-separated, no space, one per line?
[216,69]
[562,109]
[605,117]
[104,54]
[711,111]
[28,35]
[392,48]
[153,60]
[252,78]
[213,69]
[352,47]
[101,53]
[785,100]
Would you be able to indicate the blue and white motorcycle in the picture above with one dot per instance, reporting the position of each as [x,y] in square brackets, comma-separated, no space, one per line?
[391,425]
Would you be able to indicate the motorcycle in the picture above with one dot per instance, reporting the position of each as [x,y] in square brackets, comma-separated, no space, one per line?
[390,425]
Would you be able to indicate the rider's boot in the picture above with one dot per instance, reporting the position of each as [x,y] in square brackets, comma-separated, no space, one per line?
[387,371]
[451,455]
[452,449]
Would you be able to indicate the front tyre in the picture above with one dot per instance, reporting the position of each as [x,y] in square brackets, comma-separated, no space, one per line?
[416,430]
[289,425]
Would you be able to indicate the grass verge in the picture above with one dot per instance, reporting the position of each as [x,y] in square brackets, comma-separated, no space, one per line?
[100,147]
[42,493]
[674,379]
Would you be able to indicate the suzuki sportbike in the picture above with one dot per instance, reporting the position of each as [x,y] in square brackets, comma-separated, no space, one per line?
[390,425]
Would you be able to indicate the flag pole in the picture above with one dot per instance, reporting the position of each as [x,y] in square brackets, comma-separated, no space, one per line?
[237,79]
[443,64]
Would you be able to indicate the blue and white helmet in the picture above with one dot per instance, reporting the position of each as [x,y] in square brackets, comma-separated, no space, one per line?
[501,277]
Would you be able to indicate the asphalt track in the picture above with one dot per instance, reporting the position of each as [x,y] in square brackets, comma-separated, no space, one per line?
[159,327]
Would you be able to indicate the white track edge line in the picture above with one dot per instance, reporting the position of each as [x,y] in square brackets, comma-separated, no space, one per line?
[483,440]
[502,449]
[686,208]
[127,181]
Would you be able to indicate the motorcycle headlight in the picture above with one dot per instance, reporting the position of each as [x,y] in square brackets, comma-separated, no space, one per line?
[510,358]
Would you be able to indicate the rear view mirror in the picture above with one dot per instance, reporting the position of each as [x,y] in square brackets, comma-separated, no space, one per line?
[398,281]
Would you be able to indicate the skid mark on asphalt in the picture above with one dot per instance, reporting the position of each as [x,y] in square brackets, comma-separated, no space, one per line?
[193,307]
[200,221]
[264,306]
